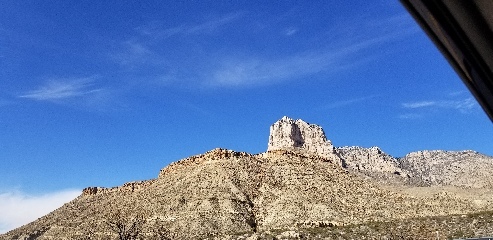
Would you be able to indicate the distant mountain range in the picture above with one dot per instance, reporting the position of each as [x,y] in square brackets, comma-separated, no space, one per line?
[302,187]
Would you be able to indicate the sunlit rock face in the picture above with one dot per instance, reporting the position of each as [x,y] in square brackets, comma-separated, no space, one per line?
[369,160]
[466,169]
[298,135]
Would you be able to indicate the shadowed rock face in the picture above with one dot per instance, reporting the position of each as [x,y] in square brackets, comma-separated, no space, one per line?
[298,183]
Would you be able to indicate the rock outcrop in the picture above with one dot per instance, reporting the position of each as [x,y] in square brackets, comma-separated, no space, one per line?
[298,135]
[369,160]
[468,169]
[127,187]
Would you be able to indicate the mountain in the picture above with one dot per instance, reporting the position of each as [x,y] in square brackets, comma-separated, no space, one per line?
[300,184]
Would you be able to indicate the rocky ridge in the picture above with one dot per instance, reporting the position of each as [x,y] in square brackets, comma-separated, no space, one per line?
[295,185]
[466,169]
[423,168]
[370,160]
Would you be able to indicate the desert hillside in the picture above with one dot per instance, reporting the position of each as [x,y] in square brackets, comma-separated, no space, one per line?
[301,187]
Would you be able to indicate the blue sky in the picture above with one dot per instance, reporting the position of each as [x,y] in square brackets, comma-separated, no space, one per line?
[98,93]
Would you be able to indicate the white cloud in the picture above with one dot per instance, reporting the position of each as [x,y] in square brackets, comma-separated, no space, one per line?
[17,208]
[458,93]
[259,70]
[419,104]
[463,105]
[156,31]
[213,24]
[344,50]
[346,102]
[58,89]
[410,116]
[290,31]
[466,105]
[133,53]
[142,50]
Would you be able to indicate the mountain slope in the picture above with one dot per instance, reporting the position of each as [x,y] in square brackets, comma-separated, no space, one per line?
[225,193]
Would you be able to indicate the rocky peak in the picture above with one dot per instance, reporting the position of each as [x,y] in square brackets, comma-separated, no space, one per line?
[369,160]
[298,135]
[466,168]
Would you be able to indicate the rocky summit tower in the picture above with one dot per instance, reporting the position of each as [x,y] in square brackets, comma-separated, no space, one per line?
[300,136]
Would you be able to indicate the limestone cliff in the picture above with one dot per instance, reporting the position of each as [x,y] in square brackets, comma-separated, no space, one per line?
[467,169]
[298,135]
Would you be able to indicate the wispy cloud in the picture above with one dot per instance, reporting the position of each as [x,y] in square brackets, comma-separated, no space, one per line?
[458,93]
[18,208]
[59,89]
[259,70]
[145,48]
[346,102]
[410,116]
[255,71]
[212,24]
[132,53]
[155,30]
[290,31]
[419,104]
[230,67]
[462,105]
[397,24]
